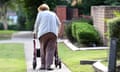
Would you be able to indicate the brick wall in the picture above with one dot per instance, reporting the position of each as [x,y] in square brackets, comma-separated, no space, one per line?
[62,11]
[99,14]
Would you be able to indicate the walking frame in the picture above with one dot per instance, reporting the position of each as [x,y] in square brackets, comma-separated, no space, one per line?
[36,53]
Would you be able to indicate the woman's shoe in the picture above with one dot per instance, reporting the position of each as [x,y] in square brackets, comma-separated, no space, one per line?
[49,69]
[42,68]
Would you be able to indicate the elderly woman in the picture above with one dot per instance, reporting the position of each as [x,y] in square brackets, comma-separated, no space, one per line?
[47,28]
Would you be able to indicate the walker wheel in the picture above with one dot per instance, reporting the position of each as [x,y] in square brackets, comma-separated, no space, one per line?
[34,64]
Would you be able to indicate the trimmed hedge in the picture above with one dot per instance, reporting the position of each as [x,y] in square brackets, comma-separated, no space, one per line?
[68,32]
[13,27]
[84,34]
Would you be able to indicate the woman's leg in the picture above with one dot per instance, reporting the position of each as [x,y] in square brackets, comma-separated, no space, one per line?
[50,50]
[42,53]
[48,42]
[50,53]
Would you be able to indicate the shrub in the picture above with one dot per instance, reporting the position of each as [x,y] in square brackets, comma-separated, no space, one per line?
[1,26]
[13,27]
[85,34]
[21,22]
[68,32]
[114,32]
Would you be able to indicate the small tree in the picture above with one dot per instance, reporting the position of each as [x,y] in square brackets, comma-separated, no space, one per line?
[3,10]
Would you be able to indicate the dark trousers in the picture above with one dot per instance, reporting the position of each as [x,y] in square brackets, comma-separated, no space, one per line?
[47,45]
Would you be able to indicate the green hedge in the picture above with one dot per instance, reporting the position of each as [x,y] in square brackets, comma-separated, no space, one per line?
[68,32]
[85,34]
[1,26]
[114,32]
[13,27]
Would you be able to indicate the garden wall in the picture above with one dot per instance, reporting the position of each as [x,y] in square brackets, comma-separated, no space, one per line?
[64,13]
[99,14]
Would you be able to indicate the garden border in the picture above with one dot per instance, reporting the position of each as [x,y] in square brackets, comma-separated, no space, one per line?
[74,48]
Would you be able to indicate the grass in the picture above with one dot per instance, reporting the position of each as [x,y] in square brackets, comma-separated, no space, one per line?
[7,31]
[72,58]
[6,34]
[12,58]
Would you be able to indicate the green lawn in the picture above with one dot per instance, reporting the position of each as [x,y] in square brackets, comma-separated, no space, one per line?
[6,34]
[12,58]
[72,58]
[7,31]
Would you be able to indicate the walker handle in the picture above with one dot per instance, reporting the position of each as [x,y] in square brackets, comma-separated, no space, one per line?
[34,35]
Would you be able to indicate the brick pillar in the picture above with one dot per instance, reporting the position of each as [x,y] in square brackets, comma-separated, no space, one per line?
[61,13]
[99,14]
[98,20]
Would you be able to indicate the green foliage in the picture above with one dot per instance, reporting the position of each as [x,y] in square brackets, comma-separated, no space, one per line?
[51,3]
[12,57]
[62,2]
[21,22]
[85,34]
[1,26]
[72,58]
[21,15]
[117,13]
[6,34]
[114,32]
[85,6]
[2,2]
[31,10]
[112,2]
[13,27]
[68,32]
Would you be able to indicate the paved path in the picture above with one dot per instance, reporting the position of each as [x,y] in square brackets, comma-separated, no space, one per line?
[23,37]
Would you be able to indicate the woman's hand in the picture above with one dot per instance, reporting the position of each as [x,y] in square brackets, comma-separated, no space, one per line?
[34,35]
[60,35]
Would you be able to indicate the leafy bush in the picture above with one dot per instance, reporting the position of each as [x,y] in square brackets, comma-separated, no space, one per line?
[21,22]
[114,32]
[1,26]
[68,32]
[85,34]
[13,27]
